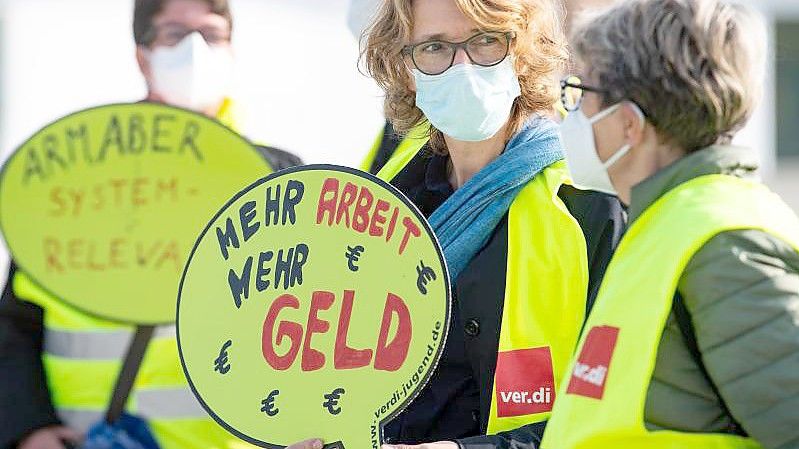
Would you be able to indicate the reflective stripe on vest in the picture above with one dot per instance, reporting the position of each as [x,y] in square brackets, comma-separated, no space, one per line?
[79,419]
[169,403]
[602,405]
[158,404]
[109,345]
[96,345]
[545,298]
[100,345]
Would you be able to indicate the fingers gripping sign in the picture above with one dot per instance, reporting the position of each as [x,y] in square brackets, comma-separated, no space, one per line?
[301,304]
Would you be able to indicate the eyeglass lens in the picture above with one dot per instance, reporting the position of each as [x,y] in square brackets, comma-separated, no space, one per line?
[485,49]
[571,96]
[172,35]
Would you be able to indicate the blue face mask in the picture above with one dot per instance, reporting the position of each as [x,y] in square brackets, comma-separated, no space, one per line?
[468,102]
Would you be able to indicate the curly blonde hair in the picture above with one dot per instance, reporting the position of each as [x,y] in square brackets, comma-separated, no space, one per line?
[539,52]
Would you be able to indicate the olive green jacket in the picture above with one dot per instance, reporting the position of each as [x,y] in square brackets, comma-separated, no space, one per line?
[742,292]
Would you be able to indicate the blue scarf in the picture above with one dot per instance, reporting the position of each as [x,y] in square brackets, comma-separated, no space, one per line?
[465,222]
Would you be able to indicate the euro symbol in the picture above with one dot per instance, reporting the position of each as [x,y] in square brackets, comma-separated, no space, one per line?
[221,363]
[268,404]
[353,255]
[331,404]
[425,275]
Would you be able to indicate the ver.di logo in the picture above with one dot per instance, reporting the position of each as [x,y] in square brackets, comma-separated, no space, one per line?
[591,369]
[525,383]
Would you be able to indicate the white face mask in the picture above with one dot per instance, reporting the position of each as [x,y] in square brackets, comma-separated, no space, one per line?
[577,135]
[192,74]
[468,102]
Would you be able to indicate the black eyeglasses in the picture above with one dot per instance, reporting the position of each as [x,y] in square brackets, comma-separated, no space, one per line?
[434,57]
[171,35]
[572,90]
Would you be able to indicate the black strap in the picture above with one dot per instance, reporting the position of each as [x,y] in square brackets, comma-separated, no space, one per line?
[688,332]
[127,375]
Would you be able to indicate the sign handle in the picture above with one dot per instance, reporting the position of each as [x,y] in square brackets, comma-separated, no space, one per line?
[127,375]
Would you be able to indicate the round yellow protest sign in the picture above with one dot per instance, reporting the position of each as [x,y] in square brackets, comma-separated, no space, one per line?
[315,304]
[101,208]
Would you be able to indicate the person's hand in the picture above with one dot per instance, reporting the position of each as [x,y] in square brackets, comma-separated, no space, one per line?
[314,443]
[436,445]
[52,437]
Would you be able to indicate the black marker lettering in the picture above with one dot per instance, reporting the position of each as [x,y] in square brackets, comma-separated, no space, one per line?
[75,137]
[283,267]
[227,237]
[294,192]
[33,166]
[246,216]
[137,137]
[272,206]
[51,156]
[159,132]
[190,133]
[261,283]
[113,137]
[240,285]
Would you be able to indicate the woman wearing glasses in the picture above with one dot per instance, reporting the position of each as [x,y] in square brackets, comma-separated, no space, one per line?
[694,338]
[481,77]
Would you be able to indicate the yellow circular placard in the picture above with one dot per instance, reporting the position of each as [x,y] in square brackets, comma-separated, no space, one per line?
[315,304]
[101,208]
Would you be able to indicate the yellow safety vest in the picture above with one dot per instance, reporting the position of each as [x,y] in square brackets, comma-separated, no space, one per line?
[366,163]
[82,357]
[405,151]
[602,405]
[545,295]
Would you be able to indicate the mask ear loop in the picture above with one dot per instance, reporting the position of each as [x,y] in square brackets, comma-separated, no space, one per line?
[602,114]
[626,148]
[638,112]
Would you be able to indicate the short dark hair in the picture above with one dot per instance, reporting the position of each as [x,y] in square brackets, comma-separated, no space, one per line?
[145,10]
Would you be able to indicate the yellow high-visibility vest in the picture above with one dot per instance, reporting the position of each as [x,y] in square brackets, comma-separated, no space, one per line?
[82,357]
[366,163]
[403,153]
[545,296]
[602,404]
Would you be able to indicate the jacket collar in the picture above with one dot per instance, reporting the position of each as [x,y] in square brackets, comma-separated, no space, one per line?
[720,159]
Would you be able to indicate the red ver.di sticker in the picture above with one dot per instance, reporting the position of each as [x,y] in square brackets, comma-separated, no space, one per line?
[591,370]
[525,384]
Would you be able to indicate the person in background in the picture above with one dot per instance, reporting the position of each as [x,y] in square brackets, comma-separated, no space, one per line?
[58,366]
[473,83]
[183,48]
[694,339]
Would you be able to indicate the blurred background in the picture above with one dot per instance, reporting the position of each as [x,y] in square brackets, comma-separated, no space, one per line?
[298,83]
